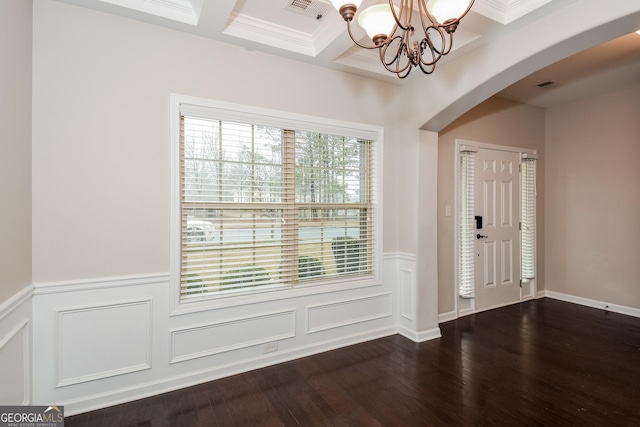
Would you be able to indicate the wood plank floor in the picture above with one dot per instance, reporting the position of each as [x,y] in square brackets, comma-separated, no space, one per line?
[539,363]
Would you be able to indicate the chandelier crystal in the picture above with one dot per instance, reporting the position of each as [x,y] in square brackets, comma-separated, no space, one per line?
[393,30]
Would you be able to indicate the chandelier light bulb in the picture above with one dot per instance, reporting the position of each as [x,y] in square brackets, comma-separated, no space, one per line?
[377,20]
[447,10]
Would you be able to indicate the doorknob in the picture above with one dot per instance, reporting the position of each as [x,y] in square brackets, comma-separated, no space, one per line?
[481,236]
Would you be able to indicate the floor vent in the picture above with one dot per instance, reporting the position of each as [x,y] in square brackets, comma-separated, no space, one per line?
[312,8]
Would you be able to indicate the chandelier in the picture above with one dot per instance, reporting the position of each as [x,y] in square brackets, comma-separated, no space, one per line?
[391,28]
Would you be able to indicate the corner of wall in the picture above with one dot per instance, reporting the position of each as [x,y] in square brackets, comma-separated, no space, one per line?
[15,348]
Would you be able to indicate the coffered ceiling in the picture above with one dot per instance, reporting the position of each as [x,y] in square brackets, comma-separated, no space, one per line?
[312,31]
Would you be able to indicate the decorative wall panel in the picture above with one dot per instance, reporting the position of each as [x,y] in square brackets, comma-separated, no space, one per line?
[103,341]
[348,312]
[206,340]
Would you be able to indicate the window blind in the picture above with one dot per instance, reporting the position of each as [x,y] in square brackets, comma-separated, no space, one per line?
[466,259]
[264,207]
[333,193]
[528,225]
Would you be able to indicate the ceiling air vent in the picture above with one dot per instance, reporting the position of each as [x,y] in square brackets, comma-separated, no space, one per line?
[548,84]
[312,8]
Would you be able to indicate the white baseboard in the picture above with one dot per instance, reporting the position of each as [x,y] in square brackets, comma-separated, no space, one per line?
[629,311]
[420,336]
[447,317]
[128,394]
[466,312]
[540,294]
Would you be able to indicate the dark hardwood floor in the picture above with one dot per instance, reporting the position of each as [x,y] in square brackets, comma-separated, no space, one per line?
[539,363]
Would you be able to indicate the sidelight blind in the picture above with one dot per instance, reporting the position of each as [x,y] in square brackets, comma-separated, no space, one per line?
[466,260]
[528,232]
[266,207]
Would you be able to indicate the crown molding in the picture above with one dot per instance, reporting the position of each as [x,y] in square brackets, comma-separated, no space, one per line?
[506,11]
[185,11]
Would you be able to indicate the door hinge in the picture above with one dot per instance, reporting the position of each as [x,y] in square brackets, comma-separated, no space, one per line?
[520,282]
[520,168]
[520,226]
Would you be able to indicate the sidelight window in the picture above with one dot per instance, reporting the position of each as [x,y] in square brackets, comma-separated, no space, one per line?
[466,244]
[528,224]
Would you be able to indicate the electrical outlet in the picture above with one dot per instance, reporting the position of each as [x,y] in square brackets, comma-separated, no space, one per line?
[270,347]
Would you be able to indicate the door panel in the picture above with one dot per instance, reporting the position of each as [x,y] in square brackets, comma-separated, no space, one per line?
[497,195]
[489,203]
[489,264]
[507,261]
[506,204]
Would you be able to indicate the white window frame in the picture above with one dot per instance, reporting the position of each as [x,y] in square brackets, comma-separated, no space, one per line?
[229,111]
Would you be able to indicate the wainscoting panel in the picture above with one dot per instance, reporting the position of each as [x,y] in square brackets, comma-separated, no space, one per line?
[107,341]
[103,341]
[206,340]
[337,314]
[405,286]
[407,294]
[15,349]
[14,366]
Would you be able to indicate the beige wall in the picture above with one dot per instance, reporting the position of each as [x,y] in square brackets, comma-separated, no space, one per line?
[593,198]
[101,138]
[495,121]
[15,146]
[101,131]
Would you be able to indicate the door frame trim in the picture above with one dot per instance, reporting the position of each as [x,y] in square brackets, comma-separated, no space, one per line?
[469,306]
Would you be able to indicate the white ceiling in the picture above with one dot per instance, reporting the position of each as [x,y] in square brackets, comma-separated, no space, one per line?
[604,68]
[313,31]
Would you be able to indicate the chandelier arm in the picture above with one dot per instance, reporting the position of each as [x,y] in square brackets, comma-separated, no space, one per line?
[402,76]
[403,7]
[425,13]
[432,68]
[392,34]
[441,31]
[435,54]
[356,41]
[386,46]
[398,69]
[450,44]
[408,50]
[400,73]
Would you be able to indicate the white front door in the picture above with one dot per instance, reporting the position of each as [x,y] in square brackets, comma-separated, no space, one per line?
[497,201]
